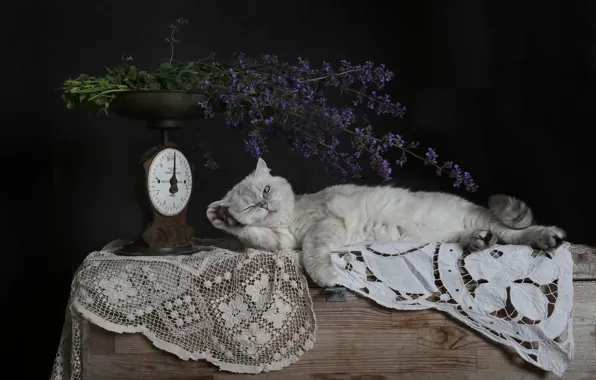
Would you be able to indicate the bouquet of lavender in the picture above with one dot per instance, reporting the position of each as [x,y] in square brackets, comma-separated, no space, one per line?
[266,97]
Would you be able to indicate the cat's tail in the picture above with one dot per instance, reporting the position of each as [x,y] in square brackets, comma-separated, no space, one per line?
[513,212]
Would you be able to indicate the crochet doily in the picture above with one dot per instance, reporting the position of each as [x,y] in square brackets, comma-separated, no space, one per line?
[244,312]
[512,294]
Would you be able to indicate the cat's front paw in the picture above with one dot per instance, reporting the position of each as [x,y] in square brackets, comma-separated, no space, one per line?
[478,240]
[221,218]
[543,237]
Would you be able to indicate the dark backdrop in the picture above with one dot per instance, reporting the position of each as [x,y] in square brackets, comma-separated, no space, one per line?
[505,89]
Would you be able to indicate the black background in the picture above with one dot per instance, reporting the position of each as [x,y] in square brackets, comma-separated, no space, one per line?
[504,89]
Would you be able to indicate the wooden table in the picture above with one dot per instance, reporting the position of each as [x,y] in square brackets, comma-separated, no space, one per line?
[359,340]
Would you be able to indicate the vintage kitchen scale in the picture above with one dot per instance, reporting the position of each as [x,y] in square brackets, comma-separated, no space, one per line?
[164,182]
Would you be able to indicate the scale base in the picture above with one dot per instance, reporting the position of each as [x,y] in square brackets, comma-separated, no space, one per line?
[135,249]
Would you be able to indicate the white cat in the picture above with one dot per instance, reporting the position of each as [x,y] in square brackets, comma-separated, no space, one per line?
[263,212]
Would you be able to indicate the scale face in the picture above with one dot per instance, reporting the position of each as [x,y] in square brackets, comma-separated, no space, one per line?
[169,182]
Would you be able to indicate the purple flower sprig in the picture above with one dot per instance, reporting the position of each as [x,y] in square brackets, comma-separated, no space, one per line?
[266,97]
[363,140]
[454,171]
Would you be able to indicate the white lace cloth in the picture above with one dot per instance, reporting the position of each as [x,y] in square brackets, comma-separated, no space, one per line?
[244,312]
[512,294]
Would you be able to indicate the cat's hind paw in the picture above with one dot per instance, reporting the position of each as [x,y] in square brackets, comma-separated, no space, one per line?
[543,237]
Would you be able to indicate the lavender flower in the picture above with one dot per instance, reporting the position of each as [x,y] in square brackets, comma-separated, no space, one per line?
[255,144]
[210,162]
[269,97]
[431,157]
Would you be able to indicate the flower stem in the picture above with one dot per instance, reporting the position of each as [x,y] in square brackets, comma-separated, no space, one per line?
[172,45]
[109,92]
[405,150]
[327,76]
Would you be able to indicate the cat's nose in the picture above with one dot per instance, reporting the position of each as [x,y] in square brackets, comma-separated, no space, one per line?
[264,205]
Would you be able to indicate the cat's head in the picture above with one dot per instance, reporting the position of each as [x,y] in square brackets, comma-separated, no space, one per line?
[260,199]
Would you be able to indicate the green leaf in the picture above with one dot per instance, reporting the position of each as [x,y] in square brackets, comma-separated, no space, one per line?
[166,65]
[155,86]
[132,72]
[171,85]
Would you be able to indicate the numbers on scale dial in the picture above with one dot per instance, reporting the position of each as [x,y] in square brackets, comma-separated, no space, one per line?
[169,190]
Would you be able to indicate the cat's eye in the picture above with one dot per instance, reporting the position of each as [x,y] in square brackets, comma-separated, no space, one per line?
[266,189]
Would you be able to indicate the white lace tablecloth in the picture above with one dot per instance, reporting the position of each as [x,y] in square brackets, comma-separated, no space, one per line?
[244,312]
[512,294]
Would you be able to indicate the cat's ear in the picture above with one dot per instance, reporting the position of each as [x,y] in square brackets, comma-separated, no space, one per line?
[261,167]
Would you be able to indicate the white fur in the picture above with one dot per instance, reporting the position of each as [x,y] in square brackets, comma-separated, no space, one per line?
[344,214]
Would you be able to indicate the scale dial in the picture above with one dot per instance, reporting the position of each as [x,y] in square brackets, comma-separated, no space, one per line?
[169,182]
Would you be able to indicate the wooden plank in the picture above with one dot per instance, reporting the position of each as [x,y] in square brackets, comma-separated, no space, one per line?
[450,338]
[353,350]
[420,318]
[401,376]
[147,367]
[385,360]
[93,340]
[439,361]
[291,376]
[584,302]
[102,341]
[134,344]
[498,358]
[356,312]
[584,262]
[584,360]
